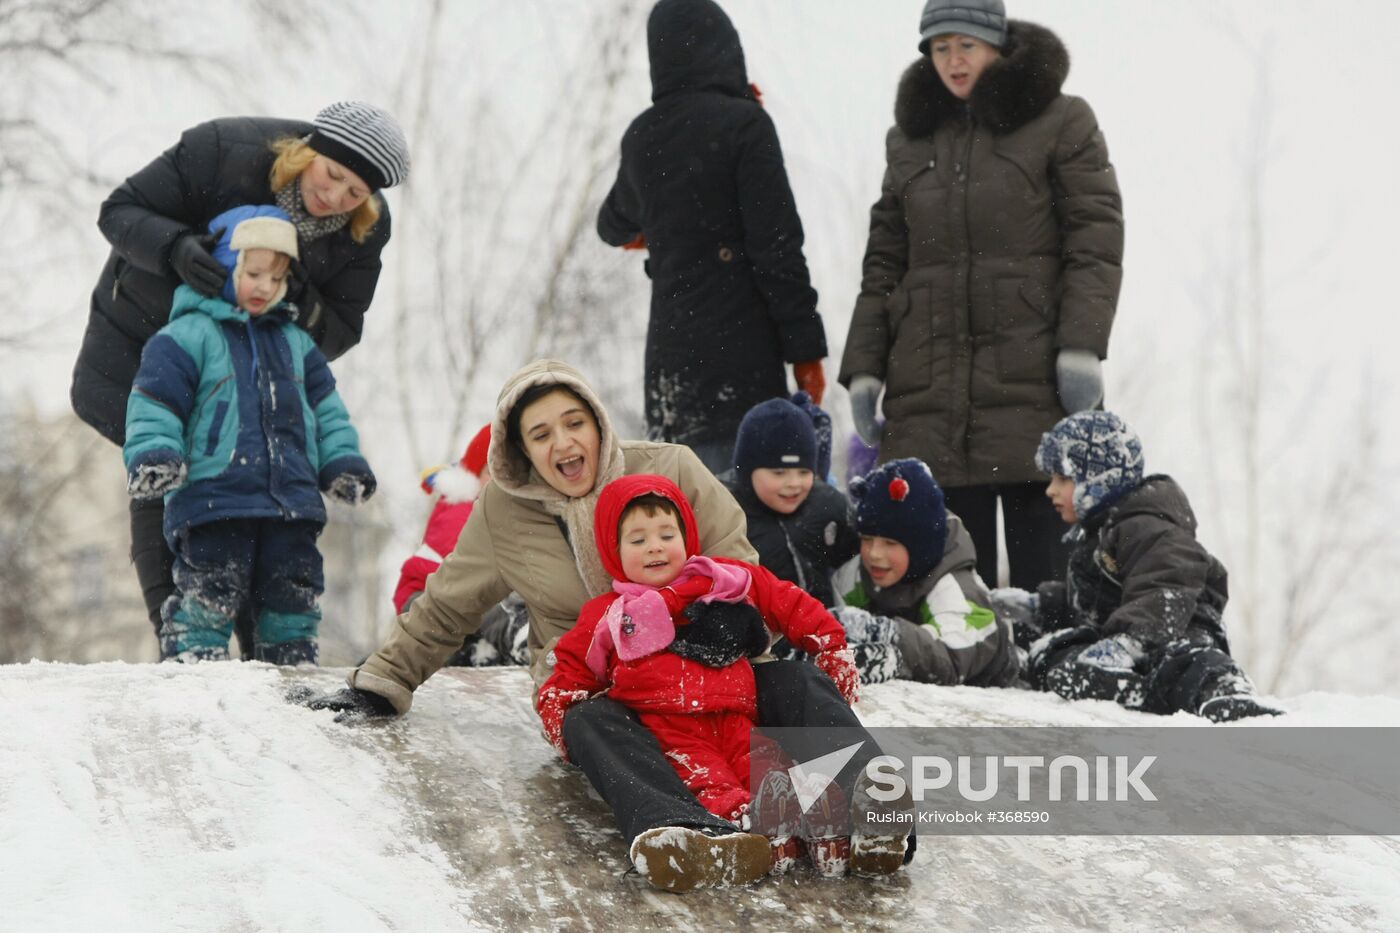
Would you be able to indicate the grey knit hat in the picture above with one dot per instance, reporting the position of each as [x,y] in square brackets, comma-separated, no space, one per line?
[366,140]
[980,19]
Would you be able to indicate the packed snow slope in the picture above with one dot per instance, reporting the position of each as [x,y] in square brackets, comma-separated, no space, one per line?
[140,797]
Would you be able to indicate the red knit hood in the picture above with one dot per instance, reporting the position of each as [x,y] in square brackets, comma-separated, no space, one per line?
[613,502]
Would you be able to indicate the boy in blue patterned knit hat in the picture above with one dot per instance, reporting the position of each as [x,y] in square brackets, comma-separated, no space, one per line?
[1138,619]
[235,420]
[911,602]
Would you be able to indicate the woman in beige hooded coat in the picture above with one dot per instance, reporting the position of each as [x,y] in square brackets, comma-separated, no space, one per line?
[553,450]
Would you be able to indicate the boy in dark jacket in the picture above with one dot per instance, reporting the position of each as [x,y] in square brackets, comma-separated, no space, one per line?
[235,420]
[1138,619]
[802,528]
[912,604]
[703,187]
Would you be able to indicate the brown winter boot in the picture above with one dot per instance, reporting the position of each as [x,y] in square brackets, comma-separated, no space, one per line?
[678,858]
[881,848]
[877,855]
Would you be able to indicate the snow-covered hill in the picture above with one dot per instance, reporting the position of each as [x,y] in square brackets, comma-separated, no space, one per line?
[193,798]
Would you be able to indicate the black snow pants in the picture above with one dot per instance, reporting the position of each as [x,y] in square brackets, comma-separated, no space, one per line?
[1172,677]
[1034,548]
[623,760]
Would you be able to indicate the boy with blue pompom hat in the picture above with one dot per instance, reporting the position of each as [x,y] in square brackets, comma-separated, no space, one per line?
[1139,618]
[235,420]
[912,603]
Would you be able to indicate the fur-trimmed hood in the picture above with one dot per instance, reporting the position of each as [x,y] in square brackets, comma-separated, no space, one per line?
[512,471]
[1011,92]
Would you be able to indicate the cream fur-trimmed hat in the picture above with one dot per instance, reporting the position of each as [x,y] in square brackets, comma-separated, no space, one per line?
[252,227]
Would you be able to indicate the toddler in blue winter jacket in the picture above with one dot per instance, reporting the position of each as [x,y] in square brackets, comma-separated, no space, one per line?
[235,419]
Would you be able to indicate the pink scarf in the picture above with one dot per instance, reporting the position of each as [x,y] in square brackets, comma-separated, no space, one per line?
[639,623]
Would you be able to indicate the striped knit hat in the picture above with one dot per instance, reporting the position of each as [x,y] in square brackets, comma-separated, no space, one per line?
[364,139]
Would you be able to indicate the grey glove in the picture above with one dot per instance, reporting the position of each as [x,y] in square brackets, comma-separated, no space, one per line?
[1079,377]
[865,398]
[154,479]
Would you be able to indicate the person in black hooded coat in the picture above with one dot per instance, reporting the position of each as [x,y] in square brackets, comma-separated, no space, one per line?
[152,216]
[702,184]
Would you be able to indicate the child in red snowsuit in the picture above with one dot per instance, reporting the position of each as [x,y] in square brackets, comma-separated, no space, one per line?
[457,489]
[673,640]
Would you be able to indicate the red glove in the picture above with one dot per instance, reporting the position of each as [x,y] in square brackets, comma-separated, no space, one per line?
[639,243]
[553,703]
[810,379]
[840,665]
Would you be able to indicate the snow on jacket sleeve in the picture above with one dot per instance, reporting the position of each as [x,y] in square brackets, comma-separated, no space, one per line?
[1162,569]
[571,679]
[162,398]
[336,438]
[456,597]
[793,612]
[1090,212]
[773,240]
[959,641]
[886,261]
[139,218]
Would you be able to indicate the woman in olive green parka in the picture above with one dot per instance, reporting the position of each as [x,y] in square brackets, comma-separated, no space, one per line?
[991,274]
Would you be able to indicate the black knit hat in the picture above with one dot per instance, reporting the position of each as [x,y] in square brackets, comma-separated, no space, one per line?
[901,500]
[366,140]
[775,434]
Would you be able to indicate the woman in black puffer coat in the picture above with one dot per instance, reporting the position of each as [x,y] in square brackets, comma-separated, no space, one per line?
[324,174]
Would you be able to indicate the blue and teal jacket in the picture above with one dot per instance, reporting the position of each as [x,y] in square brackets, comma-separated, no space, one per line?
[250,404]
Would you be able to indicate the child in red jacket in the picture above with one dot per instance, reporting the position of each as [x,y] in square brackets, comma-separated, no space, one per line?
[457,489]
[673,640]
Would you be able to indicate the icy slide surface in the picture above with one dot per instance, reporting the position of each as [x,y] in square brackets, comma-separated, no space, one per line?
[138,797]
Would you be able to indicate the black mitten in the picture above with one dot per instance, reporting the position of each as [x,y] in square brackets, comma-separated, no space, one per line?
[191,259]
[353,705]
[721,633]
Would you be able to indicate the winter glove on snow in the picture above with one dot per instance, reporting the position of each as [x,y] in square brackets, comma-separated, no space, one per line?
[821,423]
[1118,653]
[352,488]
[840,665]
[1079,376]
[154,478]
[190,258]
[354,705]
[865,396]
[811,378]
